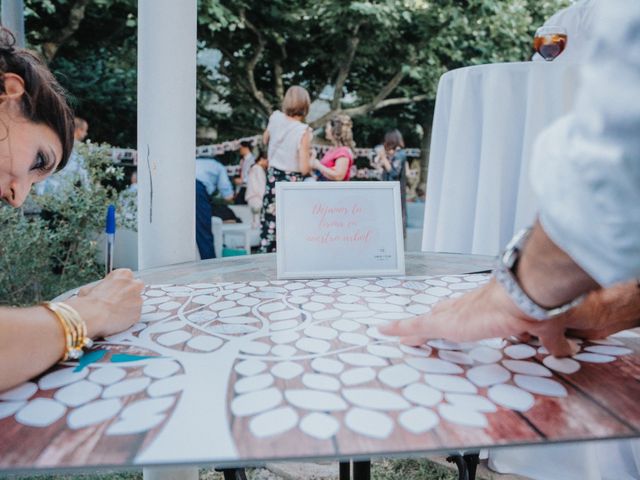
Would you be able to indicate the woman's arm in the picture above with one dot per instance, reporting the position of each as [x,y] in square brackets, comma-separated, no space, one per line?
[265,137]
[304,153]
[395,165]
[384,161]
[32,339]
[336,173]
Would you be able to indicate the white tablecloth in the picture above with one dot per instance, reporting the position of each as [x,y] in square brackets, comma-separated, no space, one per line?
[485,122]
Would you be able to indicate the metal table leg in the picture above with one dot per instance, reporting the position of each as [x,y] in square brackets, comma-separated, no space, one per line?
[467,465]
[345,470]
[472,460]
[361,470]
[234,474]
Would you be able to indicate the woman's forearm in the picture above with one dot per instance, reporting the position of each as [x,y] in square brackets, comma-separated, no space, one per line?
[328,173]
[31,340]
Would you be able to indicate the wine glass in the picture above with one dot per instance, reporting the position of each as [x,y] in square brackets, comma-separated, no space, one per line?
[550,41]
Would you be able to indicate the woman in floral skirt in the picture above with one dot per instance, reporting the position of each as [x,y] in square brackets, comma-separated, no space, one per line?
[290,156]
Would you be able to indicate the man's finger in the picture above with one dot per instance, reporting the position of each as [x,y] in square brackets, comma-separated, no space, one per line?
[555,341]
[413,341]
[121,273]
[412,327]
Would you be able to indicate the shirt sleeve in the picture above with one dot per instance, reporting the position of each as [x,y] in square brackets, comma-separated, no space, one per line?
[223,184]
[586,166]
[397,165]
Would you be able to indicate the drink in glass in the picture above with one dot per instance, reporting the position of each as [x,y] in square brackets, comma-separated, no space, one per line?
[550,42]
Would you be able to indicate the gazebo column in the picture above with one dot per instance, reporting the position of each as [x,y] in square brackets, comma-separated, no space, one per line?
[13,19]
[166,131]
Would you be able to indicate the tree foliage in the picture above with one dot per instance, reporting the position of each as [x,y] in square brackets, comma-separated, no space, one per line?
[379,58]
[91,47]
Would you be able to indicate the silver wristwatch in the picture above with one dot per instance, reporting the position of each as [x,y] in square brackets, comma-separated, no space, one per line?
[504,275]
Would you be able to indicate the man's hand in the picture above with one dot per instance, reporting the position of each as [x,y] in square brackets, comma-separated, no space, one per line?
[489,312]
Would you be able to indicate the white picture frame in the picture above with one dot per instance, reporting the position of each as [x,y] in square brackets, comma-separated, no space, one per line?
[339,229]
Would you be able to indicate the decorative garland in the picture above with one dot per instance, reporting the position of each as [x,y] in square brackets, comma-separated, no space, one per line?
[128,155]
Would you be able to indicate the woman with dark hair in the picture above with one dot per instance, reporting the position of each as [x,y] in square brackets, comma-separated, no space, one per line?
[336,163]
[393,160]
[36,139]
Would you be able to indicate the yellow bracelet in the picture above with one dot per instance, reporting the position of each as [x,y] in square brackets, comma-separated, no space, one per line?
[68,339]
[74,328]
[83,341]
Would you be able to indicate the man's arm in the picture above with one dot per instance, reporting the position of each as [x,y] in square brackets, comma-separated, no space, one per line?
[548,275]
[223,184]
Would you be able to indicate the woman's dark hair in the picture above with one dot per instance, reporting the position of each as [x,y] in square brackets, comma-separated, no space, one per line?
[393,139]
[44,100]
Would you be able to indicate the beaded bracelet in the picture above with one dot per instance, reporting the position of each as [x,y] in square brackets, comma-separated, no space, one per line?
[73,327]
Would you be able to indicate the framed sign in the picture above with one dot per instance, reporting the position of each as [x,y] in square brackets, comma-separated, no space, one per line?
[339,229]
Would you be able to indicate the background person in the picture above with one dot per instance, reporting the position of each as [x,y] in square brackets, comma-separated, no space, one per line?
[336,163]
[393,160]
[211,177]
[256,186]
[81,129]
[75,170]
[37,140]
[290,156]
[247,160]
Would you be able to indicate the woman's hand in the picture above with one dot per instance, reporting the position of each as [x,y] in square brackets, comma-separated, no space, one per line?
[111,305]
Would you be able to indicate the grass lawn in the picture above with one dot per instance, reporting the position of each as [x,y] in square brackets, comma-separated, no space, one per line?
[381,470]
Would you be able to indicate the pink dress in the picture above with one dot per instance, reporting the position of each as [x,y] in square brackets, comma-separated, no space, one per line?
[329,159]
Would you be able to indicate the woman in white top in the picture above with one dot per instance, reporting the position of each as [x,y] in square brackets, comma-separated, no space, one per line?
[289,141]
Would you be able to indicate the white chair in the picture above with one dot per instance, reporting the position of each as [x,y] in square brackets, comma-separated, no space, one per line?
[230,235]
[235,235]
[243,212]
[216,230]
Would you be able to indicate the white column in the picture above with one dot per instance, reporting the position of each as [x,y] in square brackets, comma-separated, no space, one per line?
[166,131]
[13,19]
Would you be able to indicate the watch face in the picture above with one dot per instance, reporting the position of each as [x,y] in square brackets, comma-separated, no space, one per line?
[514,247]
[509,258]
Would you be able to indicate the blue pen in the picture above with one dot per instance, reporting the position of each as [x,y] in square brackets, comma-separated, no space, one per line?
[110,230]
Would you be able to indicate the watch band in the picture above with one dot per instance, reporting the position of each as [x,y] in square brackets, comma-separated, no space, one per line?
[505,276]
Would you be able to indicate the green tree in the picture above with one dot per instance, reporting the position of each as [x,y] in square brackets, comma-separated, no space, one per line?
[380,59]
[90,46]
